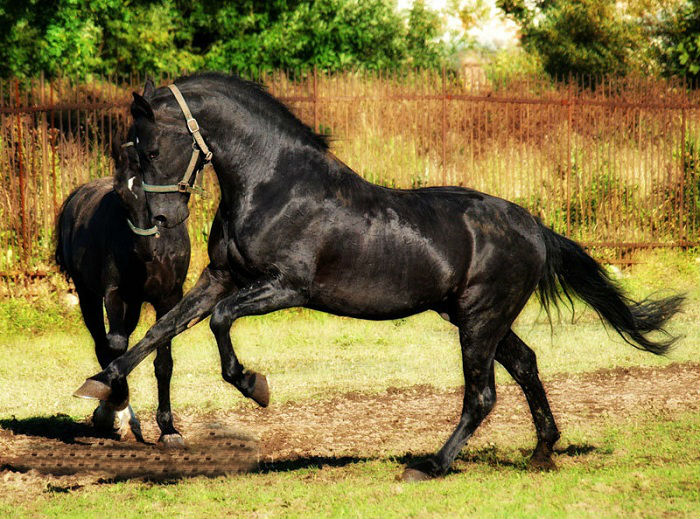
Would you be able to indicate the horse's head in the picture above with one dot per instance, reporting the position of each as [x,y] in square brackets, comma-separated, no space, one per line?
[168,160]
[128,184]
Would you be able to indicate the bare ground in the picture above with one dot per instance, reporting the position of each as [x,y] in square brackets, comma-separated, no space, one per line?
[399,423]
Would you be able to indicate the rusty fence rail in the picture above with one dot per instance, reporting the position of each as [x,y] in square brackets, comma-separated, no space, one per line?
[616,167]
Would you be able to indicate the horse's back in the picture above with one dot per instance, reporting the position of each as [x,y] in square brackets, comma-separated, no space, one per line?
[89,217]
[395,252]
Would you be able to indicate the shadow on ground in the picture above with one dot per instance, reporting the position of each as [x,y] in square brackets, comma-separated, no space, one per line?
[58,427]
[82,449]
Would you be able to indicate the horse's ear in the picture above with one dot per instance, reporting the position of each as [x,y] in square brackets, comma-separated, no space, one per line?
[141,108]
[119,156]
[116,148]
[149,89]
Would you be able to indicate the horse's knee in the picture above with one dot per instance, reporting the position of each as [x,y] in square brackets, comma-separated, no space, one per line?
[117,343]
[220,321]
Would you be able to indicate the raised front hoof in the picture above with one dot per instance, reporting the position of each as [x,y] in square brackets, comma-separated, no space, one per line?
[261,390]
[94,389]
[171,441]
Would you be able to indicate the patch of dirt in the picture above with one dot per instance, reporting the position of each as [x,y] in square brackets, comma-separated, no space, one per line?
[400,423]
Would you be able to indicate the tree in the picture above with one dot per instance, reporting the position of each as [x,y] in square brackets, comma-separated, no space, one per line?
[679,41]
[582,37]
[79,37]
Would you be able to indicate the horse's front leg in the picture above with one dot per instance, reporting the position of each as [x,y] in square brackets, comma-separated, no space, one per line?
[262,297]
[110,383]
[163,365]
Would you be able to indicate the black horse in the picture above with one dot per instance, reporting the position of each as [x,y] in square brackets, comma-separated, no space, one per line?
[106,245]
[297,227]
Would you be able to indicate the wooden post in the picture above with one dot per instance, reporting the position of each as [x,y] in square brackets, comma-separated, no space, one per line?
[444,127]
[568,160]
[315,94]
[682,180]
[24,238]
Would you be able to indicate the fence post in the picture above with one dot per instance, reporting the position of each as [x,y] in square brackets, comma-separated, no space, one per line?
[568,159]
[682,179]
[24,239]
[315,100]
[444,127]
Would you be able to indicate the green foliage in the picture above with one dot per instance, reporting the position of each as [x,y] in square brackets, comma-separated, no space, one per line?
[80,37]
[679,37]
[506,65]
[587,37]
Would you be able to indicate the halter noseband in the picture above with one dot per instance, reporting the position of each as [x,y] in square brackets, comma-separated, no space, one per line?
[198,146]
[138,230]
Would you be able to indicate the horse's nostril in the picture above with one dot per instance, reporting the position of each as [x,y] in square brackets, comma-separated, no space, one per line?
[160,219]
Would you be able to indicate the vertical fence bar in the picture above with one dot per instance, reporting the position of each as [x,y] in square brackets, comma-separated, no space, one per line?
[315,97]
[682,180]
[444,126]
[22,188]
[568,159]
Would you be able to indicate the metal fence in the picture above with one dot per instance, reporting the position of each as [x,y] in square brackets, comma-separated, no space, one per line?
[615,165]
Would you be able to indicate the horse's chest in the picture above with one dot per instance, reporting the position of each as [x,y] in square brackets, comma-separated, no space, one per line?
[162,277]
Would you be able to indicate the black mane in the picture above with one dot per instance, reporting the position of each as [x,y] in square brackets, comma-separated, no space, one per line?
[256,99]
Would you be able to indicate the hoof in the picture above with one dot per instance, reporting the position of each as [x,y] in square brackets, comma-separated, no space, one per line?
[123,424]
[94,389]
[542,458]
[171,441]
[542,463]
[261,390]
[422,471]
[413,475]
[104,418]
[130,425]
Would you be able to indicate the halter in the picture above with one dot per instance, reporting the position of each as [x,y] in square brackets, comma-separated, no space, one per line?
[198,146]
[138,230]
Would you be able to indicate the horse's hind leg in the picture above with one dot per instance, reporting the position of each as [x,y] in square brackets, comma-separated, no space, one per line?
[521,363]
[480,330]
[163,364]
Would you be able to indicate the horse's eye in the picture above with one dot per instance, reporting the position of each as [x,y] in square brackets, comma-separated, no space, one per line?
[153,154]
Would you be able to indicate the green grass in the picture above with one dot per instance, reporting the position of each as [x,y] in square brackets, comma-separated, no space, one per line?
[647,467]
[649,470]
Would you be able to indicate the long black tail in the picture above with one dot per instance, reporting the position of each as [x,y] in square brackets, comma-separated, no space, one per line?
[569,267]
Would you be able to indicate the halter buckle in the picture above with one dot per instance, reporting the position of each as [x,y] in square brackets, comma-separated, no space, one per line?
[192,125]
[183,187]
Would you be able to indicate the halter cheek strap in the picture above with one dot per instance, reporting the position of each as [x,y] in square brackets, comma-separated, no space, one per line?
[198,146]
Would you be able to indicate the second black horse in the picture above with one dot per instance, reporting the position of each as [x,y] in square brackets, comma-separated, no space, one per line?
[107,245]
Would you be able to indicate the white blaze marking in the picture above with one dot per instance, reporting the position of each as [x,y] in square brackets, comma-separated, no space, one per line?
[130,183]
